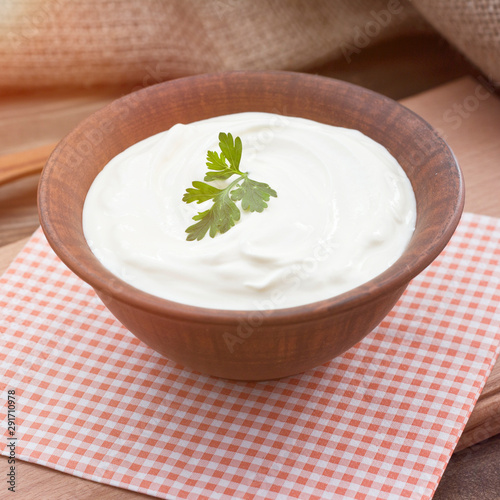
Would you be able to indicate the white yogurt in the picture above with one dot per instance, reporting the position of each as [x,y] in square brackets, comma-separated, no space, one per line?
[345,212]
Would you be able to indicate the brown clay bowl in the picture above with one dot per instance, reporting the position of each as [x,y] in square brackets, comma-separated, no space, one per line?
[241,344]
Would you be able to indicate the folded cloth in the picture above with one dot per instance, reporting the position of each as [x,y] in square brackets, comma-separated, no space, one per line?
[380,421]
[89,42]
[141,42]
[473,27]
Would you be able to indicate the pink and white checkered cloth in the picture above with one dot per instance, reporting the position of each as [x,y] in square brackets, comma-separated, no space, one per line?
[381,421]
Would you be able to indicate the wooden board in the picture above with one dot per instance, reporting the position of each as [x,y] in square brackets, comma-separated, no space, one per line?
[30,124]
[470,118]
[468,114]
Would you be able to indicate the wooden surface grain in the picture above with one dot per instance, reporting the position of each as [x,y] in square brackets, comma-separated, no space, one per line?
[469,117]
[19,165]
[473,473]
[467,114]
[18,212]
[32,119]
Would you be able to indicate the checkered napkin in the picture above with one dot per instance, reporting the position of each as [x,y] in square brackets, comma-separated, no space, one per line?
[381,421]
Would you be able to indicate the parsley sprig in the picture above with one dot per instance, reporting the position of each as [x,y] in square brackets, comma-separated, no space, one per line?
[224,212]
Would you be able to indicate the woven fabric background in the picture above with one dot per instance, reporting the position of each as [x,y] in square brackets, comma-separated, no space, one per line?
[472,26]
[87,42]
[378,422]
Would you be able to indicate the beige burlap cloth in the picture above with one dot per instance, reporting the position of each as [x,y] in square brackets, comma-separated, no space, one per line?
[89,42]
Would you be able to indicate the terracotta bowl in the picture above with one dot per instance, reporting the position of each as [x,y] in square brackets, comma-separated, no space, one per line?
[260,344]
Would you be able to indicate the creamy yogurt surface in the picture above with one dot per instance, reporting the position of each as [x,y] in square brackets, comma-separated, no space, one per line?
[345,212]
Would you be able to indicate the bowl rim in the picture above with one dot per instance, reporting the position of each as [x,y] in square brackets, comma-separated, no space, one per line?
[103,281]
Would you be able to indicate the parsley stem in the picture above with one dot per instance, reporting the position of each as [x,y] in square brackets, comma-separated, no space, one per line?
[241,177]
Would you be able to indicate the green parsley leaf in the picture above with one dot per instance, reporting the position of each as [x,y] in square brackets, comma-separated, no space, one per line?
[231,149]
[217,163]
[201,193]
[224,213]
[253,195]
[221,217]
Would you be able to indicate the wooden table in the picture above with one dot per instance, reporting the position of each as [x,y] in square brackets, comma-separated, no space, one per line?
[467,114]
